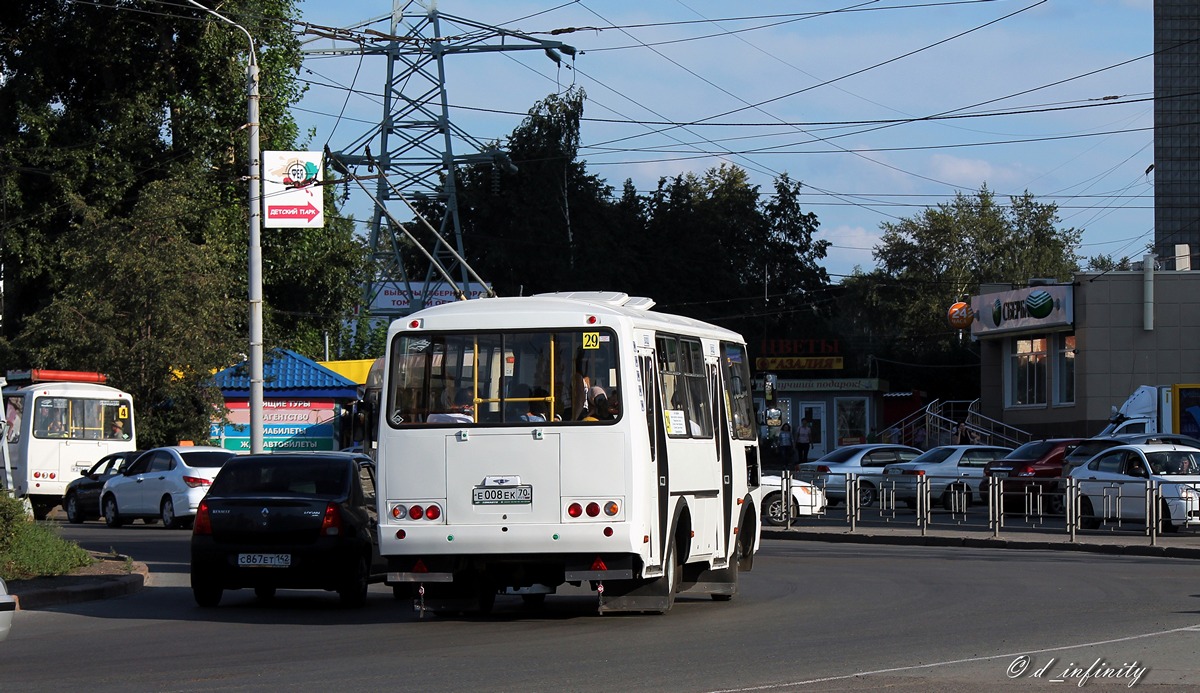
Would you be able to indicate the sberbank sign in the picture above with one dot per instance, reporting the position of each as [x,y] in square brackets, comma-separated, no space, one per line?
[1037,307]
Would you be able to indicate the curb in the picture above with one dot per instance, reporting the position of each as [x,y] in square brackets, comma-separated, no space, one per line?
[99,587]
[978,543]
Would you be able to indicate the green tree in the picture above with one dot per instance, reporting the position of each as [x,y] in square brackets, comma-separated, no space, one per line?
[940,256]
[123,155]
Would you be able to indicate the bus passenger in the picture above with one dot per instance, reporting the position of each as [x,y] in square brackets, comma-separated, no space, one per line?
[117,430]
[598,403]
[462,411]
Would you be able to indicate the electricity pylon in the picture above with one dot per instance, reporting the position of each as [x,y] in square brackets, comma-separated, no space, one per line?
[411,149]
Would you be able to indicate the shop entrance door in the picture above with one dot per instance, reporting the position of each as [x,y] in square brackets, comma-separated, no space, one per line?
[815,413]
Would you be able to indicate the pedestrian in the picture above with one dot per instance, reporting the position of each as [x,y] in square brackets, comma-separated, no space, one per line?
[803,438]
[786,445]
[965,435]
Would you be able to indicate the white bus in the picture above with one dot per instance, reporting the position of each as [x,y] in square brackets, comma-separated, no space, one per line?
[527,443]
[55,431]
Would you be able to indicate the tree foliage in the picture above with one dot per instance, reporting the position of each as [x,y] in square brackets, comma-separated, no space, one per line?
[123,155]
[942,255]
[693,243]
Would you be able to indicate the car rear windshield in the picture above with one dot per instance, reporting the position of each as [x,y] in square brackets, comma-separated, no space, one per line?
[206,458]
[840,455]
[1031,451]
[284,476]
[933,456]
[1088,448]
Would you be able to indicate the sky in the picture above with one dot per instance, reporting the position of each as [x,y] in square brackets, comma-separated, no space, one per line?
[880,108]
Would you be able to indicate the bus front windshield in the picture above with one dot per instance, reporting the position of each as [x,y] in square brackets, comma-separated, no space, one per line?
[517,378]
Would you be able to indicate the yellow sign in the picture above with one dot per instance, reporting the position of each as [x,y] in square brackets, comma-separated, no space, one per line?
[591,340]
[798,363]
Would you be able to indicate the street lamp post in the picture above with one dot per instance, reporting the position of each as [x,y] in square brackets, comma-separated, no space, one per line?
[255,270]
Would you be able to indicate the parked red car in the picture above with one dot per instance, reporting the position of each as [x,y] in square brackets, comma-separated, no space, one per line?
[1033,468]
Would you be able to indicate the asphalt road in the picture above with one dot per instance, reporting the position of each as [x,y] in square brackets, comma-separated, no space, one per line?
[811,616]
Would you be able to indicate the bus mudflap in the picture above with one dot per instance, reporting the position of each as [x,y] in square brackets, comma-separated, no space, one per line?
[634,595]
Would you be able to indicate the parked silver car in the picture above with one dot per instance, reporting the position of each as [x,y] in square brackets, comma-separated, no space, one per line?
[952,472]
[830,471]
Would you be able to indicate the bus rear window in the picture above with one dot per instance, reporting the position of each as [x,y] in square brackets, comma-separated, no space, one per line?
[510,378]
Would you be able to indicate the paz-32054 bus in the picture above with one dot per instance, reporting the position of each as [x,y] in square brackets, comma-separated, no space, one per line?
[573,438]
[58,427]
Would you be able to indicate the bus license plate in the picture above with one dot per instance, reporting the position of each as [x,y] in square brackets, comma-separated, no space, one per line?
[265,560]
[502,495]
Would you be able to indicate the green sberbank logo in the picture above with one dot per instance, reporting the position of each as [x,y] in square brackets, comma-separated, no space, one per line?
[997,313]
[1039,304]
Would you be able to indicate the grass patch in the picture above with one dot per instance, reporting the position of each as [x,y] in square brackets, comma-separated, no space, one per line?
[29,549]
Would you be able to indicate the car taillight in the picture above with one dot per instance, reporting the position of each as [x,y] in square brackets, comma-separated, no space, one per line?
[1025,471]
[196,481]
[332,524]
[203,523]
[915,472]
[823,468]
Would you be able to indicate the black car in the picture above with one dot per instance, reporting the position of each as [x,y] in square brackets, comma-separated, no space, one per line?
[81,500]
[290,520]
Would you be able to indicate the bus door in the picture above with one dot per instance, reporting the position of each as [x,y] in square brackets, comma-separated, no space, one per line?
[659,474]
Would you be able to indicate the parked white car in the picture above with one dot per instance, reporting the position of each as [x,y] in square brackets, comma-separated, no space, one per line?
[952,474]
[830,471]
[806,499]
[1112,486]
[8,605]
[164,483]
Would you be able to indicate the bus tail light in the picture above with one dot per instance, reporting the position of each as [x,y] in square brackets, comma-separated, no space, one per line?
[600,509]
[196,481]
[416,511]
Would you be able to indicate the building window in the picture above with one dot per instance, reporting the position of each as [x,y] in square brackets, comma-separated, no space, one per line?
[1064,371]
[1027,372]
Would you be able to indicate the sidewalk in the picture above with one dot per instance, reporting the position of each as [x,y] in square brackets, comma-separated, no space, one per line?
[1127,543]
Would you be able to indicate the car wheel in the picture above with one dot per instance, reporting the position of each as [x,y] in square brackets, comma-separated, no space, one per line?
[206,593]
[773,509]
[948,498]
[1168,525]
[1056,502]
[1088,519]
[71,505]
[167,511]
[353,591]
[264,593]
[112,517]
[867,495]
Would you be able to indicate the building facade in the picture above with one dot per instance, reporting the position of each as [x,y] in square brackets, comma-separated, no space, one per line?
[1176,129]
[1055,359]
